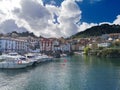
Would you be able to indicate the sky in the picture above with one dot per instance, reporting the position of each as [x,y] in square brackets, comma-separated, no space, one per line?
[56,18]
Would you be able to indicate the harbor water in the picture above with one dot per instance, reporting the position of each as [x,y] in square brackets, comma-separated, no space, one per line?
[69,73]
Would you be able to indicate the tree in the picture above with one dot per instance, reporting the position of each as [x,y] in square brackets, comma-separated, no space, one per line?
[86,50]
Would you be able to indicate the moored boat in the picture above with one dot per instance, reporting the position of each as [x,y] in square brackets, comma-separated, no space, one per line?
[63,55]
[42,58]
[31,59]
[13,63]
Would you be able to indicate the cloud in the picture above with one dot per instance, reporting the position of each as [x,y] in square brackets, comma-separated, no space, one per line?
[70,14]
[34,16]
[41,19]
[1,16]
[105,23]
[52,2]
[83,26]
[117,20]
[34,10]
[9,26]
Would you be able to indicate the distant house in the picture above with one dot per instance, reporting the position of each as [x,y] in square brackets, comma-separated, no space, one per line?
[81,48]
[105,36]
[110,39]
[93,45]
[65,47]
[104,44]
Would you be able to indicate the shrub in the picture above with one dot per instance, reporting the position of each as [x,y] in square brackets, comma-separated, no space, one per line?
[111,52]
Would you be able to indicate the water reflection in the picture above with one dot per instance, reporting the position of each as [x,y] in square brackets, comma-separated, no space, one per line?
[99,60]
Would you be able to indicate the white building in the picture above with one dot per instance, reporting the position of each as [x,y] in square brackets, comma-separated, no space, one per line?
[105,44]
[56,45]
[81,48]
[65,47]
[8,44]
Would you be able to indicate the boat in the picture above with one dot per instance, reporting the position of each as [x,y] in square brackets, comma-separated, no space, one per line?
[10,55]
[46,57]
[31,59]
[63,55]
[36,58]
[42,58]
[79,53]
[13,63]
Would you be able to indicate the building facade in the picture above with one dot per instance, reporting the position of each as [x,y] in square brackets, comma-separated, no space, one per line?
[46,44]
[65,47]
[8,44]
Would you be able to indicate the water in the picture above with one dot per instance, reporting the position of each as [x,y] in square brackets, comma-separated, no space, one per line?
[70,73]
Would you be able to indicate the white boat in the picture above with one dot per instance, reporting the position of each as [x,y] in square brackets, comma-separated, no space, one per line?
[10,55]
[13,63]
[31,59]
[63,55]
[39,57]
[45,57]
[14,60]
[1,58]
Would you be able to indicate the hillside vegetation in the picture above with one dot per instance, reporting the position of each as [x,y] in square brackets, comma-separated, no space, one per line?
[98,31]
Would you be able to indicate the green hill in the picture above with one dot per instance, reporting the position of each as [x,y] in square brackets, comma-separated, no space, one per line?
[98,31]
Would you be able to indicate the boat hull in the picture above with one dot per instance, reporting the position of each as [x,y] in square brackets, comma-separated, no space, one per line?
[8,65]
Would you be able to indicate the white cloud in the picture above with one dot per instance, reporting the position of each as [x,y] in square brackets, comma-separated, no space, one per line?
[85,25]
[117,20]
[70,14]
[39,19]
[105,23]
[9,26]
[1,16]
[6,7]
[52,2]
[34,16]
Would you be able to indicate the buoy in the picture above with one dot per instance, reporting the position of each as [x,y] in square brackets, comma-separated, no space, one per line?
[65,60]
